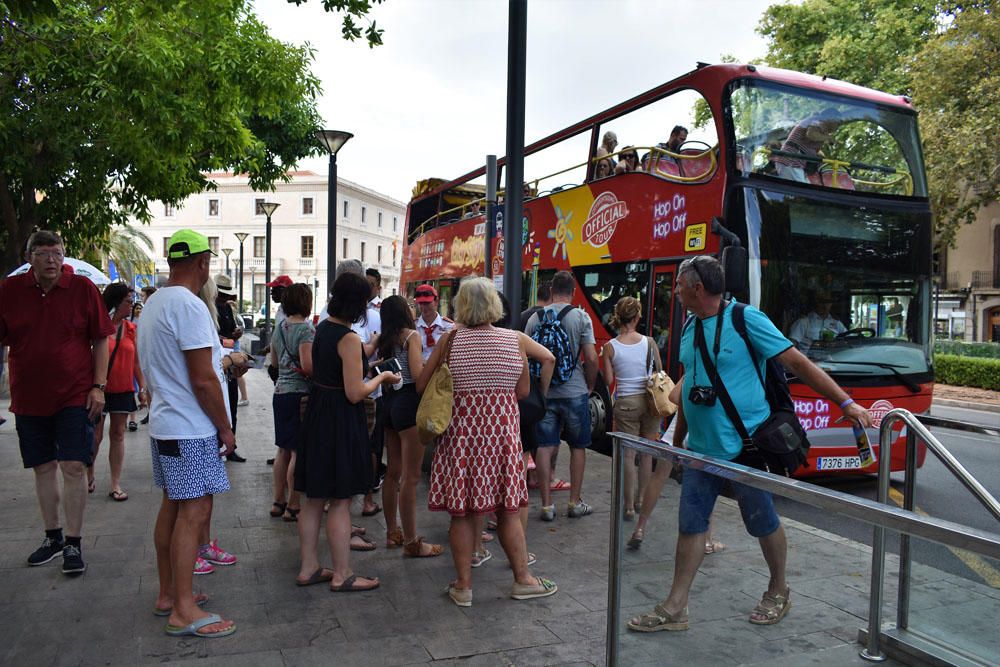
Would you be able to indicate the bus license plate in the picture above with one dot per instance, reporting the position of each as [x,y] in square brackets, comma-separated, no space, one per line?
[838,463]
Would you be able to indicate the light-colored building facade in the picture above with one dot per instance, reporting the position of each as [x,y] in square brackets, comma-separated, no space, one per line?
[969,298]
[369,228]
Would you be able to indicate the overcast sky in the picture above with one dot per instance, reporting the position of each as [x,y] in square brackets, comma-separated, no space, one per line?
[430,102]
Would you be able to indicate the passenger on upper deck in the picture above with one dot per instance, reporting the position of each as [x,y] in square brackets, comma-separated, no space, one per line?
[678,136]
[806,139]
[608,144]
[629,161]
[473,211]
[817,325]
[603,169]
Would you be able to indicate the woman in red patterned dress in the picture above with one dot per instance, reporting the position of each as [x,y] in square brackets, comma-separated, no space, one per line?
[477,465]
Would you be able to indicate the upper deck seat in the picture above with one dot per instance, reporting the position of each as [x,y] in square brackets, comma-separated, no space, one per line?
[840,179]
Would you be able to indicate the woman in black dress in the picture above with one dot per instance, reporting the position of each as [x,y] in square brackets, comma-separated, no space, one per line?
[334,458]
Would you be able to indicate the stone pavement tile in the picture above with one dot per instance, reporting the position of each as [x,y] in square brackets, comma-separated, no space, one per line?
[492,604]
[807,616]
[388,651]
[937,594]
[487,638]
[498,659]
[846,598]
[310,631]
[590,652]
[845,654]
[970,625]
[579,627]
[975,586]
[271,658]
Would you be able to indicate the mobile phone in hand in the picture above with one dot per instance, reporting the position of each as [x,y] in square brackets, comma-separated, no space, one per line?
[391,365]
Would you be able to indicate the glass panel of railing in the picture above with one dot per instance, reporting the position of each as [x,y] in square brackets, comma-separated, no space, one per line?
[954,599]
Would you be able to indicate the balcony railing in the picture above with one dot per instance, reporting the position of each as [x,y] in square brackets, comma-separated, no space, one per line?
[985,279]
[307,264]
[956,280]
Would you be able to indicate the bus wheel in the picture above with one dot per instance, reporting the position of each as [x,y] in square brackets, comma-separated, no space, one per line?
[600,418]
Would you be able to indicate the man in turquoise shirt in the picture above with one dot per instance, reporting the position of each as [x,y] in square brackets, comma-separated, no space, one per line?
[700,284]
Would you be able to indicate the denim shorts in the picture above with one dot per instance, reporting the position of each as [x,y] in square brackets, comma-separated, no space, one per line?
[700,489]
[68,435]
[566,417]
[188,469]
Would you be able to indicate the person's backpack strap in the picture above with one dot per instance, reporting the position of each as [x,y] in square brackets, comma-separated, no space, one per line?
[564,312]
[740,324]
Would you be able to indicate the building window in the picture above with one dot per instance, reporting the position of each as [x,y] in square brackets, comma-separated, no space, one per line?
[259,246]
[307,206]
[347,209]
[395,224]
[378,253]
[213,244]
[344,252]
[166,245]
[362,248]
[259,295]
[364,217]
[394,254]
[307,247]
[213,208]
[168,210]
[380,219]
[258,207]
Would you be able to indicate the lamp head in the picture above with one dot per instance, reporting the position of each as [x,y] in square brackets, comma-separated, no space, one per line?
[332,140]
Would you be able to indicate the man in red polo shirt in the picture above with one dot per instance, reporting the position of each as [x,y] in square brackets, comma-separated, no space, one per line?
[57,330]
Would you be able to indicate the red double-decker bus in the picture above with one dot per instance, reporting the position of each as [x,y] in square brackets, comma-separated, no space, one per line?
[821,181]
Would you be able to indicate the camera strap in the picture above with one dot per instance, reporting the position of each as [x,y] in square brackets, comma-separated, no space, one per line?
[713,373]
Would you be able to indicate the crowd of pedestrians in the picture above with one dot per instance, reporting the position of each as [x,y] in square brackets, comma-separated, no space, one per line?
[352,382]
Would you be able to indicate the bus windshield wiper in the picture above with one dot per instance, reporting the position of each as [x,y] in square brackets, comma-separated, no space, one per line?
[907,382]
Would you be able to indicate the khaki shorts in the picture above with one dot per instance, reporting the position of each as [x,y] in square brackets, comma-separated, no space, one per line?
[632,416]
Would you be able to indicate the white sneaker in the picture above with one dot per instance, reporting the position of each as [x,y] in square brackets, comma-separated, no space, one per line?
[548,513]
[243,403]
[578,510]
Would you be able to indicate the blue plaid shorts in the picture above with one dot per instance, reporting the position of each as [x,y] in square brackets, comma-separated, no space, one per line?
[188,469]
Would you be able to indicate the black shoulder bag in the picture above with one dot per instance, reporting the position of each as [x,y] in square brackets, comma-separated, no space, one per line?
[779,445]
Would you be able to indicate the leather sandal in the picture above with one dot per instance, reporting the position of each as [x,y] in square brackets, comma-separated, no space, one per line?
[772,607]
[660,619]
[636,540]
[394,538]
[277,509]
[415,549]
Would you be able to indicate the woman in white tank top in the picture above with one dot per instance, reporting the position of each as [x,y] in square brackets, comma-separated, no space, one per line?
[627,360]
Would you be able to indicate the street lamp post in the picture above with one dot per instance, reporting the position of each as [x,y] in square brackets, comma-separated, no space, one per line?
[227,252]
[332,141]
[268,208]
[241,237]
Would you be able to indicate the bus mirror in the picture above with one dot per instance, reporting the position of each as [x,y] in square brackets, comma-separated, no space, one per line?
[734,263]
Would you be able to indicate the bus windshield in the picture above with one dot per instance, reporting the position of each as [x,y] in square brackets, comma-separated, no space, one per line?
[835,142]
[846,284]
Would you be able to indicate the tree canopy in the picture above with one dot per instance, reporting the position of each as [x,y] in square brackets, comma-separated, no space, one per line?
[943,54]
[114,105]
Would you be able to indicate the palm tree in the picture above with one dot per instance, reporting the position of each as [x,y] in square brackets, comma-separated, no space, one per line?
[126,246]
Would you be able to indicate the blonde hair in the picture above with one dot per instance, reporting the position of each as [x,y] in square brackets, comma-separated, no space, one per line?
[628,309]
[477,303]
[207,293]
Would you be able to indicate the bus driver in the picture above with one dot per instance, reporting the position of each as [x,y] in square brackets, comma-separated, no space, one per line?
[816,325]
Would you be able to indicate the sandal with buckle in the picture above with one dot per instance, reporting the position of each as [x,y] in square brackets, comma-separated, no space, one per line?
[772,608]
[714,547]
[415,549]
[277,509]
[291,514]
[635,541]
[660,619]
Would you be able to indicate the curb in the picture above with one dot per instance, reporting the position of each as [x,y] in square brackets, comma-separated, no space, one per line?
[968,405]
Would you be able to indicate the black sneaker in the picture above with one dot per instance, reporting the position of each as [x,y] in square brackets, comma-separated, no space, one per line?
[72,560]
[45,553]
[236,458]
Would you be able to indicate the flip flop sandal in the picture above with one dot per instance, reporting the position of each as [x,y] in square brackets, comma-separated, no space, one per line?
[559,485]
[660,619]
[772,607]
[543,588]
[358,530]
[372,512]
[714,547]
[200,599]
[368,544]
[318,577]
[349,587]
[277,509]
[487,537]
[291,514]
[192,629]
[118,496]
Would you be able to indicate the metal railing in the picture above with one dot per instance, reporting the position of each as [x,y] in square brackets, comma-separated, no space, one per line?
[915,428]
[880,514]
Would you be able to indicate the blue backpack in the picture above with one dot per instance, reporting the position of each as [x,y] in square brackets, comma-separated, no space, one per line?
[550,334]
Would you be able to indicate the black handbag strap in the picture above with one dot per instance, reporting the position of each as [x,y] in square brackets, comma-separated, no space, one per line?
[720,388]
[114,352]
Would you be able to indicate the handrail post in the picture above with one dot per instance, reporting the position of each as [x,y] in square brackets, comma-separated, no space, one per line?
[873,652]
[909,502]
[615,555]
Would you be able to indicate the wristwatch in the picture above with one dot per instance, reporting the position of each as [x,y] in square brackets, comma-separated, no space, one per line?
[98,386]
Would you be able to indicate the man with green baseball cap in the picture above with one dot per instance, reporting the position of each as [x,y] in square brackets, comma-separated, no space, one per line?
[187,242]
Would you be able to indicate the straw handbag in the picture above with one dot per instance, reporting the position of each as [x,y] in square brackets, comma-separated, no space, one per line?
[437,401]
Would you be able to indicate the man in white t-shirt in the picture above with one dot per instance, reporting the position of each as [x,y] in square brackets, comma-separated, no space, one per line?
[816,325]
[189,428]
[430,325]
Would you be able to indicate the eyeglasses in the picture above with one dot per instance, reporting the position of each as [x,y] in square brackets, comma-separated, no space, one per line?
[630,157]
[48,254]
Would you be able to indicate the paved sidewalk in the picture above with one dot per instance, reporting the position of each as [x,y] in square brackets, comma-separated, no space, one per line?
[104,617]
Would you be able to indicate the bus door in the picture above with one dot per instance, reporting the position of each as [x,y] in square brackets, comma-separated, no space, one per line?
[661,311]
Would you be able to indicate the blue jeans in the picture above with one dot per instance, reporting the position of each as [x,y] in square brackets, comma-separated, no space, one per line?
[700,489]
[566,416]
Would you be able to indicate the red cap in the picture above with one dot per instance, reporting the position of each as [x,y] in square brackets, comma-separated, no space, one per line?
[425,294]
[280,281]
